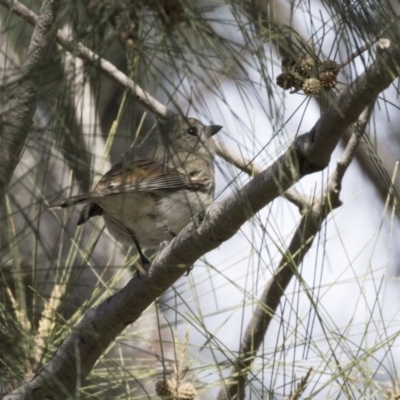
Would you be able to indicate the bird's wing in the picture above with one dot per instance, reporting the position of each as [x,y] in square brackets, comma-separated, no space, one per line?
[150,176]
[143,176]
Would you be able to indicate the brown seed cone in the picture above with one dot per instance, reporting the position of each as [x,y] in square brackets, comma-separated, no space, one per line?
[328,79]
[287,80]
[330,66]
[311,86]
[166,389]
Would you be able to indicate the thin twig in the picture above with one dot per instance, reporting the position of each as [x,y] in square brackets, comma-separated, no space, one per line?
[370,43]
[252,169]
[107,68]
[240,162]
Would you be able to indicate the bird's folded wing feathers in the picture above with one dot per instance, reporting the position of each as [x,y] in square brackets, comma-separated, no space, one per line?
[149,176]
[142,176]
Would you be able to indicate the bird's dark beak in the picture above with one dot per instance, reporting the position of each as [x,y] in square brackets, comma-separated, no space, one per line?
[215,129]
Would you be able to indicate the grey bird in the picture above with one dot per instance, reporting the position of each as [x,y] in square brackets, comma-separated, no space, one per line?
[153,190]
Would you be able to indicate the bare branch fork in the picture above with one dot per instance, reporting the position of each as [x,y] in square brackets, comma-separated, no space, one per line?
[309,153]
[301,242]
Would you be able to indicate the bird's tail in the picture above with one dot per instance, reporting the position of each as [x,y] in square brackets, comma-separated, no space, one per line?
[71,201]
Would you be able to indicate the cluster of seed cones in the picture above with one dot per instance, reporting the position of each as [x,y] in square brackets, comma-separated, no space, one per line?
[170,389]
[307,75]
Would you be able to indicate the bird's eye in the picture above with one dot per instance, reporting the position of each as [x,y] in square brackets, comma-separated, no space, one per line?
[192,131]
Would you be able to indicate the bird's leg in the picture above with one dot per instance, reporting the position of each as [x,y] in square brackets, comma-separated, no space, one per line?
[143,259]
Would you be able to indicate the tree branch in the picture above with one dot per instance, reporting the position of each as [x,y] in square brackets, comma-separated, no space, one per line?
[107,68]
[252,169]
[19,118]
[78,353]
[302,241]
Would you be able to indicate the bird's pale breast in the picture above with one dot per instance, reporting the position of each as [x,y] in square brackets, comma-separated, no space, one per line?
[151,218]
